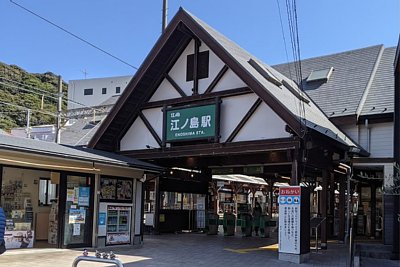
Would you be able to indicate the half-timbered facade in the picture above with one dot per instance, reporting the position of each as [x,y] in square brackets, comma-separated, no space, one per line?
[201,103]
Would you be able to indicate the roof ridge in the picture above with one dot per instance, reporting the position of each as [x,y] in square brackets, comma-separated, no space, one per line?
[370,81]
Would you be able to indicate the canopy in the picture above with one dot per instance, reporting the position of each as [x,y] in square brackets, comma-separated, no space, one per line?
[240,178]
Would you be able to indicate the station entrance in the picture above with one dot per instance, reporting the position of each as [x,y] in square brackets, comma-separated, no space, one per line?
[203,108]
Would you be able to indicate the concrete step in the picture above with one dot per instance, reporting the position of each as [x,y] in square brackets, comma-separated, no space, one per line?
[376,254]
[376,251]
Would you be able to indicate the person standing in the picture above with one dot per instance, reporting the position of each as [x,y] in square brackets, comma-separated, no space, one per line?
[257,211]
[2,230]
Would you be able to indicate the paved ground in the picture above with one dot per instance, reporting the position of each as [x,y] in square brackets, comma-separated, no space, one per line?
[183,250]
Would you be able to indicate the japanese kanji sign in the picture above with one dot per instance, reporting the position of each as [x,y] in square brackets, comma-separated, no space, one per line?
[191,123]
[289,219]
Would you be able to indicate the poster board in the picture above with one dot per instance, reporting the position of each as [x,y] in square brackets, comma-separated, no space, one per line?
[289,219]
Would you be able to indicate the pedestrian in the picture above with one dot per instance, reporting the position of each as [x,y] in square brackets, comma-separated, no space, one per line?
[2,230]
[256,217]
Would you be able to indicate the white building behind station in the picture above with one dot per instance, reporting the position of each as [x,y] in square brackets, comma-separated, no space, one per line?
[93,92]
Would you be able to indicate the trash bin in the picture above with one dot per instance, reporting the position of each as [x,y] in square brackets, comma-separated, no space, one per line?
[265,225]
[246,224]
[212,224]
[229,224]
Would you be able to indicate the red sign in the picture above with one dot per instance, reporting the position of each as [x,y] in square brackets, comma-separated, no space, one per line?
[289,191]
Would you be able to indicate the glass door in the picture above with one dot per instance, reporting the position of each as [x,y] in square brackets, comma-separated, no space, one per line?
[78,210]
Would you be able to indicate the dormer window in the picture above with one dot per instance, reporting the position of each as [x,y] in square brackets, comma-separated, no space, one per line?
[320,75]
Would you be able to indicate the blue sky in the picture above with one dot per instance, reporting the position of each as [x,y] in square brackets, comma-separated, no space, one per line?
[129,29]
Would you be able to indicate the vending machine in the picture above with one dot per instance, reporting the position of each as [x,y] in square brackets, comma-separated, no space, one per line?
[118,225]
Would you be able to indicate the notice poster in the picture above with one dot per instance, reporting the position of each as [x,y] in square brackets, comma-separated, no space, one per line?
[77,229]
[76,195]
[102,218]
[289,219]
[84,196]
[76,216]
[118,238]
[71,195]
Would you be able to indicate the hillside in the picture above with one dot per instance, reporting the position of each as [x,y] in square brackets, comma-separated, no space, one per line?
[37,92]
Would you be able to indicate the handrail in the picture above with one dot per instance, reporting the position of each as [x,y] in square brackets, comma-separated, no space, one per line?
[78,259]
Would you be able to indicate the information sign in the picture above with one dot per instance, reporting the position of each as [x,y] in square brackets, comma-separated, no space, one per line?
[191,123]
[289,219]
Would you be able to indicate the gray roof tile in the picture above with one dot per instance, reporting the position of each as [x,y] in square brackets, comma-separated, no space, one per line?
[380,99]
[342,93]
[309,114]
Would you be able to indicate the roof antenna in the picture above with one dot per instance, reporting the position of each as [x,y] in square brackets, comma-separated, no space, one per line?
[164,15]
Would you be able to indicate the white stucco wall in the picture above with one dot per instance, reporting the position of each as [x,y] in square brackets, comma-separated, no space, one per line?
[137,137]
[263,124]
[76,90]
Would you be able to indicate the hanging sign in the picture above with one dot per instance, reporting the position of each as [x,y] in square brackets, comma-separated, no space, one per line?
[289,219]
[190,123]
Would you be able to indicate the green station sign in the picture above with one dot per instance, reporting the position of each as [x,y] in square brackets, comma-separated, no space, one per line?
[191,123]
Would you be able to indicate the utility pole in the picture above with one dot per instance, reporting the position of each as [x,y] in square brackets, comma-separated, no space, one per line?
[164,15]
[59,109]
[28,123]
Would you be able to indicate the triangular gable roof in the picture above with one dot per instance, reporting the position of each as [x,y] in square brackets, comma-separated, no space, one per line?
[283,100]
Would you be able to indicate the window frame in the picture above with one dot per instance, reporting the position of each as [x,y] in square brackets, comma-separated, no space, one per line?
[46,193]
[88,91]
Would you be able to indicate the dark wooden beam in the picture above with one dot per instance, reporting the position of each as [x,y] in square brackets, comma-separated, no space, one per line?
[214,149]
[175,85]
[150,128]
[217,79]
[244,120]
[189,99]
[196,67]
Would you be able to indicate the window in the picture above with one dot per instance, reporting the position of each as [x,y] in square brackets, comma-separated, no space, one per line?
[104,91]
[88,91]
[202,66]
[117,90]
[171,201]
[320,75]
[47,191]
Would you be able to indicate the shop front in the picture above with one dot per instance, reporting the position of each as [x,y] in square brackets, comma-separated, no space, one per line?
[51,201]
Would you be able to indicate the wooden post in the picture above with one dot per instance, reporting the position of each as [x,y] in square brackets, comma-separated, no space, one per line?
[342,202]
[270,196]
[324,209]
[294,179]
[157,204]
[331,214]
[373,209]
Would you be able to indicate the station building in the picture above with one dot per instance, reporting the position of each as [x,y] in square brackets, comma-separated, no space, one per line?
[204,108]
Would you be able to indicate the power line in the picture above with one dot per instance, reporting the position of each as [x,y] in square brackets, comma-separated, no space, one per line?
[26,90]
[25,108]
[52,95]
[74,35]
[284,39]
[27,85]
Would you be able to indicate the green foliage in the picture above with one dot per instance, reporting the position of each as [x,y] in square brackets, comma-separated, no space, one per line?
[12,79]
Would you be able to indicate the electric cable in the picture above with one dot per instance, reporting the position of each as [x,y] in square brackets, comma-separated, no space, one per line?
[74,35]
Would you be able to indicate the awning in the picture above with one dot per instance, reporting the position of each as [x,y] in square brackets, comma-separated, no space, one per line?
[240,178]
